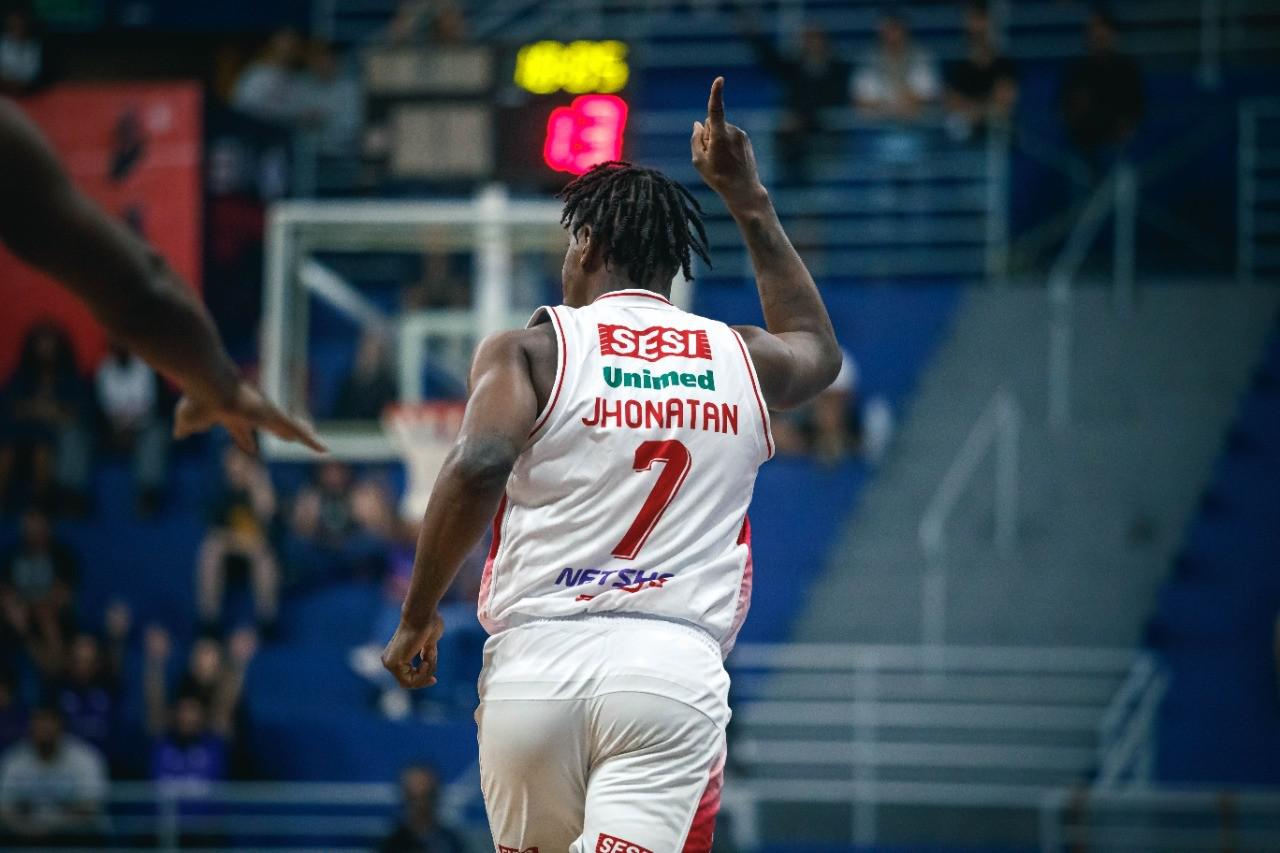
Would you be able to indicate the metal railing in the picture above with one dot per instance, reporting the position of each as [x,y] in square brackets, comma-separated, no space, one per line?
[936,208]
[872,728]
[996,428]
[1118,194]
[1126,734]
[1159,819]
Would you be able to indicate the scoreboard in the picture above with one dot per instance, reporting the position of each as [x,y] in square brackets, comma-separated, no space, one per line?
[531,115]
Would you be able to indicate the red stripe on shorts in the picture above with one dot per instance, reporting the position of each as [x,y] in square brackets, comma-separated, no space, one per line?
[703,828]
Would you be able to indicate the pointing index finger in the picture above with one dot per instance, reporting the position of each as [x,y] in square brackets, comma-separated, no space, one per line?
[715,104]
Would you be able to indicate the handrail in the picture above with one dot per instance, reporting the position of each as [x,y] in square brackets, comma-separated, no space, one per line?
[1134,819]
[1118,193]
[853,656]
[998,426]
[1131,752]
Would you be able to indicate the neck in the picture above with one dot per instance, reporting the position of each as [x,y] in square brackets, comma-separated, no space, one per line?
[612,282]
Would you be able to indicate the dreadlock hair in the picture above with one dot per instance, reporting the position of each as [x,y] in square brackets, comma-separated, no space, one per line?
[644,221]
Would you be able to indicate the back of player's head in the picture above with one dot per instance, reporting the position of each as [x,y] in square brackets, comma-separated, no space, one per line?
[642,220]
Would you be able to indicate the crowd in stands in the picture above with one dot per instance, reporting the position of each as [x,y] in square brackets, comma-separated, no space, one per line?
[82,688]
[898,89]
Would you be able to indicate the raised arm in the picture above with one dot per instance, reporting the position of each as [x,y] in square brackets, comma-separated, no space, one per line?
[129,288]
[798,355]
[495,427]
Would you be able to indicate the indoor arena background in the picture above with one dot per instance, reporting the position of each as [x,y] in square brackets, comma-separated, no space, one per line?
[1017,572]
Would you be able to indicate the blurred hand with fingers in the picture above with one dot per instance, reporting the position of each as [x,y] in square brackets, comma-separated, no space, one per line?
[242,413]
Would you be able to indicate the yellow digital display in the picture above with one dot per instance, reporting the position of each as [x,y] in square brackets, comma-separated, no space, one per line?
[545,67]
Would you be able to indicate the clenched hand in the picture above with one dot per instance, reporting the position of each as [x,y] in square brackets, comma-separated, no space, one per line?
[408,642]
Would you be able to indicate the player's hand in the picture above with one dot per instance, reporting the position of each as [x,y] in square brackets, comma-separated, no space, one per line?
[246,411]
[409,642]
[722,152]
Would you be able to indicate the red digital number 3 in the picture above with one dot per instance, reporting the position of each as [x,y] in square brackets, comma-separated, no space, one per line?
[677,459]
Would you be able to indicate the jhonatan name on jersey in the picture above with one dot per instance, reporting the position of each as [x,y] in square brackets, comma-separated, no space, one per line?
[631,496]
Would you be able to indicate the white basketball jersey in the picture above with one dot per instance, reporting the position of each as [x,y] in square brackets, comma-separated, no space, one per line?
[631,496]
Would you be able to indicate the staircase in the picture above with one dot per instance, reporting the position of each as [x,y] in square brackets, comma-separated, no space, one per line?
[1103,504]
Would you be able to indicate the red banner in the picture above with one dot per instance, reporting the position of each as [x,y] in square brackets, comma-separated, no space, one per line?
[136,150]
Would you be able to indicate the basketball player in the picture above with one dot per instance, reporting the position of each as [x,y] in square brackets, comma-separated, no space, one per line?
[51,225]
[617,440]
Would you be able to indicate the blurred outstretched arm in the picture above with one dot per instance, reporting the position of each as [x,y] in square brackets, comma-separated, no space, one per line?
[129,288]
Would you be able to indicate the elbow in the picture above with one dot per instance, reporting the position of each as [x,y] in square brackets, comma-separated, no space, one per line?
[482,465]
[830,362]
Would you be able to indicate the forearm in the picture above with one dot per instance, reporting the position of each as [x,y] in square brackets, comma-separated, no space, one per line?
[129,288]
[222,718]
[154,314]
[462,506]
[788,295]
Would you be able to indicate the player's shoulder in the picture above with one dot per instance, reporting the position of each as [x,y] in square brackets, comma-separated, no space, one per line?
[532,346]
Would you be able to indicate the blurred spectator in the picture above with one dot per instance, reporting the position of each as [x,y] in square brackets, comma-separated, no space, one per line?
[837,423]
[1101,98]
[336,528]
[43,421]
[273,87]
[88,692]
[238,541]
[128,397]
[37,591]
[204,673]
[897,80]
[52,784]
[13,716]
[335,101]
[826,426]
[834,419]
[813,79]
[439,287]
[420,829]
[371,384]
[983,87]
[322,509]
[192,736]
[427,21]
[24,65]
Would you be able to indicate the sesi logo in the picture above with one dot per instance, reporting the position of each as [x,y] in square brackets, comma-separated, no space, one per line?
[613,844]
[653,343]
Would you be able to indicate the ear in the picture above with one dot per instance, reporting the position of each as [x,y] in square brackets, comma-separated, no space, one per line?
[589,251]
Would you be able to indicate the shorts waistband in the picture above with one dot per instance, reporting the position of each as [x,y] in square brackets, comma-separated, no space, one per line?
[700,634]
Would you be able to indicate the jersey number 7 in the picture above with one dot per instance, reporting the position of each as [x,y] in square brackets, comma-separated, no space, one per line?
[677,459]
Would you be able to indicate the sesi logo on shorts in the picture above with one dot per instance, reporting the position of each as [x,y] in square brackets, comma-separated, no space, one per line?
[613,844]
[502,849]
[653,343]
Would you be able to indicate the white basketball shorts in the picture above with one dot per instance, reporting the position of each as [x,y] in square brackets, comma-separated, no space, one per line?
[602,734]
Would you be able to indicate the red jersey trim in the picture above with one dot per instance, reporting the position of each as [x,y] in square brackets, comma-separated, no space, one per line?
[647,294]
[755,386]
[486,578]
[561,369]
